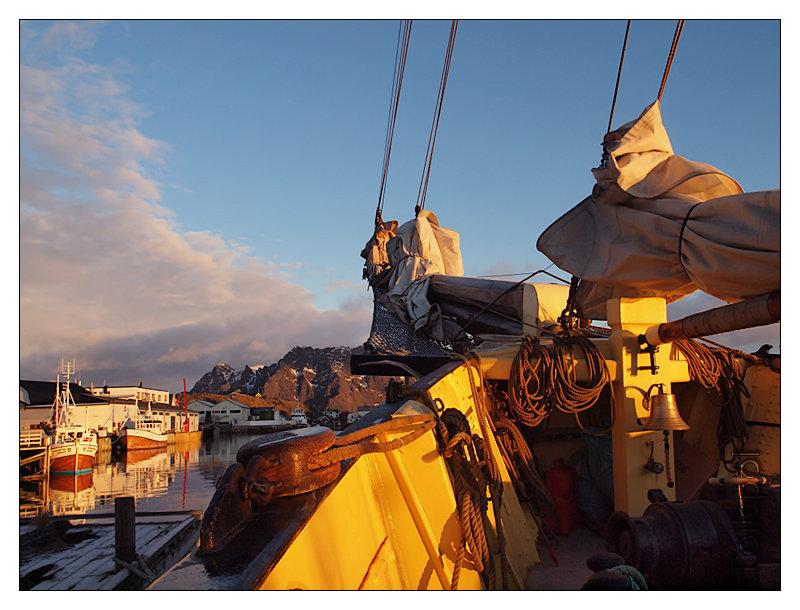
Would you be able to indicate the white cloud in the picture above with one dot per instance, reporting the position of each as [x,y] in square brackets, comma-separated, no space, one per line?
[106,273]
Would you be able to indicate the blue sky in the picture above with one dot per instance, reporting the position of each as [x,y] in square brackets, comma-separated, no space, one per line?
[270,133]
[276,129]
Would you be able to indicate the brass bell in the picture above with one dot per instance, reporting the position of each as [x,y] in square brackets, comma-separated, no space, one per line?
[664,414]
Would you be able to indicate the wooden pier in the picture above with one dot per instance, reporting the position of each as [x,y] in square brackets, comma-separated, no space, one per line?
[34,468]
[125,550]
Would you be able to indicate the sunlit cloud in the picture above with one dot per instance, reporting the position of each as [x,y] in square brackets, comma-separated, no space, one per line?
[107,274]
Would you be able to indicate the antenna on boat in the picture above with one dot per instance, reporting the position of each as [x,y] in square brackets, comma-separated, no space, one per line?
[57,402]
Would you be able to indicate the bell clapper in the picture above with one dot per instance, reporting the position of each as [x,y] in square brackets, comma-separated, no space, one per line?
[670,482]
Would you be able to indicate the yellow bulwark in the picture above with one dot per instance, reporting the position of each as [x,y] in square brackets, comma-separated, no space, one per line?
[391,521]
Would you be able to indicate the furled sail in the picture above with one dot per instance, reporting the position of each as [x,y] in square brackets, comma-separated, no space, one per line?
[657,224]
[417,274]
[400,262]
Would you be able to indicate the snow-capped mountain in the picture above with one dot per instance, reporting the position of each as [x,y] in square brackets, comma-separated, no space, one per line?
[318,378]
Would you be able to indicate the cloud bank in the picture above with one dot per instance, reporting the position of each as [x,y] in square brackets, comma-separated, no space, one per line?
[107,275]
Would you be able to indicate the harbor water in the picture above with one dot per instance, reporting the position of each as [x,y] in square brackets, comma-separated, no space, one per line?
[180,477]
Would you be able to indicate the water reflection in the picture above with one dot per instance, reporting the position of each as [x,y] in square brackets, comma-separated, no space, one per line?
[180,477]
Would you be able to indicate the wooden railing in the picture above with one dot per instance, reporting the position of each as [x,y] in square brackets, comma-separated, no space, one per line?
[32,439]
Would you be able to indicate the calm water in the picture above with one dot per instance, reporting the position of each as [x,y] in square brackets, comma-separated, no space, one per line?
[178,478]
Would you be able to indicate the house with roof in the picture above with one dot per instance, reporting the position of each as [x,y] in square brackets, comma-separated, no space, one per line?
[104,412]
[36,400]
[242,412]
[138,392]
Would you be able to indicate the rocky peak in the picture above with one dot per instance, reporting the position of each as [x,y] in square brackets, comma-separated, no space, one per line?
[216,379]
[317,378]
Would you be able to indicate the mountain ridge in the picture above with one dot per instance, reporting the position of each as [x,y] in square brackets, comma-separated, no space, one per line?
[316,378]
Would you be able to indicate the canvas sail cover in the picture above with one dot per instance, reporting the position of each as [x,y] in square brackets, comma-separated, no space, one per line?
[657,224]
[420,249]
[400,262]
[417,274]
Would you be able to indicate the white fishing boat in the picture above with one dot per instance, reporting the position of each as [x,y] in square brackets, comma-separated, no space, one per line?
[73,446]
[147,432]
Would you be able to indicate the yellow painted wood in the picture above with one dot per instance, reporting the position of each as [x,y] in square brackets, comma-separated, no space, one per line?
[391,521]
[628,319]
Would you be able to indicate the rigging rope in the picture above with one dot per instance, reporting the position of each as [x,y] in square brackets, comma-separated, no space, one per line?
[619,74]
[604,159]
[426,167]
[670,57]
[401,53]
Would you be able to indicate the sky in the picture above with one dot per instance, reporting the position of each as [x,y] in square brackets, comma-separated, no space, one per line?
[200,191]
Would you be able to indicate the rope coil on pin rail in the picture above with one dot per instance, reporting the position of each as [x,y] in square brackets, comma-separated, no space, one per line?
[474,472]
[401,54]
[718,372]
[541,380]
[437,113]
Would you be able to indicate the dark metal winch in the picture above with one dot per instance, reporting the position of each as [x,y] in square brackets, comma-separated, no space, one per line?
[722,542]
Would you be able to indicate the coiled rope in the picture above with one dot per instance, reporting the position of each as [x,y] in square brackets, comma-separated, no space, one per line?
[718,371]
[493,470]
[465,455]
[541,380]
[474,473]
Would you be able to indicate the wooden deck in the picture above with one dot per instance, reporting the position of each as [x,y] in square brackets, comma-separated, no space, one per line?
[89,563]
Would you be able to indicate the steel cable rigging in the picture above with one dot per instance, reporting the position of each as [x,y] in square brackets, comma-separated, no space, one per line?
[604,159]
[437,114]
[673,48]
[401,53]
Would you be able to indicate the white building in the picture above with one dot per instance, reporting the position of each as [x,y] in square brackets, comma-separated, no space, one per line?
[201,407]
[130,391]
[229,413]
[105,414]
[36,404]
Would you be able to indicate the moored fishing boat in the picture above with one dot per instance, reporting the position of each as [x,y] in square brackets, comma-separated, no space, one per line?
[146,432]
[72,450]
[73,446]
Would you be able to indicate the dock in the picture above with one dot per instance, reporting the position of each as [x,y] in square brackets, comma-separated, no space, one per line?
[34,469]
[126,550]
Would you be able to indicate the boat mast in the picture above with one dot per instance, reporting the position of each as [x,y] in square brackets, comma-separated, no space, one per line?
[67,369]
[57,403]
